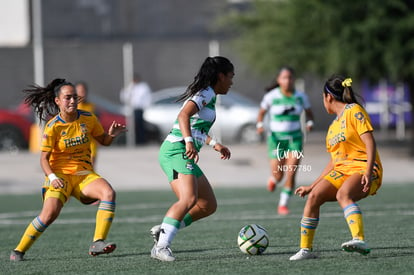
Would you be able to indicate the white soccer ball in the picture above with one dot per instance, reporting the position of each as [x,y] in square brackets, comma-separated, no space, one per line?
[253,239]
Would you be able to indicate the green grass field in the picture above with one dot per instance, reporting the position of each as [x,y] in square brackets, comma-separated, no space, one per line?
[209,246]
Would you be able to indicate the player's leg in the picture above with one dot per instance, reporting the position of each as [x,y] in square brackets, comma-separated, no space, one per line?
[348,194]
[291,164]
[97,188]
[206,201]
[274,151]
[50,211]
[186,190]
[324,191]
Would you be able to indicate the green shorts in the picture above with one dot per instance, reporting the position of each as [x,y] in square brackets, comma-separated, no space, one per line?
[279,144]
[173,161]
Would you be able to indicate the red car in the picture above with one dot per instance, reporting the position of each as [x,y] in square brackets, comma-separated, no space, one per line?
[14,130]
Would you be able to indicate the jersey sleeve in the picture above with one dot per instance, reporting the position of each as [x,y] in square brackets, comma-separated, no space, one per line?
[97,129]
[265,103]
[202,98]
[360,120]
[48,139]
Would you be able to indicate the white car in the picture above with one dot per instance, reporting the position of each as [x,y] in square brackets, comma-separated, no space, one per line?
[235,122]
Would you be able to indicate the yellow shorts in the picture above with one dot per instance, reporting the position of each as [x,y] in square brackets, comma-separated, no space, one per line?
[337,178]
[73,185]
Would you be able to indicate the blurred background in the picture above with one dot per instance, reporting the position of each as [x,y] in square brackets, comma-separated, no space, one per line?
[102,42]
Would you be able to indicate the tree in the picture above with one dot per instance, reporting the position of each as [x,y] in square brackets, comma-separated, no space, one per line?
[367,39]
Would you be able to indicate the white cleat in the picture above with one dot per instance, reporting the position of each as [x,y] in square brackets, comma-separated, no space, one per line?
[162,253]
[303,254]
[356,245]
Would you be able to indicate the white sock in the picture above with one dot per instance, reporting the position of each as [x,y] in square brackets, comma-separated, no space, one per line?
[285,195]
[167,234]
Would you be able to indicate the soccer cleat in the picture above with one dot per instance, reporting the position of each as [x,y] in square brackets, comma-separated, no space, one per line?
[356,245]
[271,184]
[303,254]
[101,247]
[283,210]
[16,256]
[155,232]
[162,253]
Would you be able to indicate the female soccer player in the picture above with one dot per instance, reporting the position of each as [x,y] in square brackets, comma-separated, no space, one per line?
[284,141]
[178,154]
[66,161]
[353,173]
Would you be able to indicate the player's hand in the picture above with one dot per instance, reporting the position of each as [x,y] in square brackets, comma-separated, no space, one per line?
[191,152]
[366,182]
[302,191]
[116,128]
[57,183]
[223,150]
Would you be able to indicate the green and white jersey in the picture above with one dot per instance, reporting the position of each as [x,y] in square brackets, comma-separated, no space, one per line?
[200,122]
[284,111]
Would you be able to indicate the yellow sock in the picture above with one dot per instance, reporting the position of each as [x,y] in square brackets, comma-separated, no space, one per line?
[307,231]
[353,216]
[33,231]
[104,217]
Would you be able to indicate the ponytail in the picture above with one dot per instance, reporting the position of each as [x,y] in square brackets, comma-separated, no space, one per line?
[42,99]
[207,75]
[341,89]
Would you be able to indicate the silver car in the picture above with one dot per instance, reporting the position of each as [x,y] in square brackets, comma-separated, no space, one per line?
[236,115]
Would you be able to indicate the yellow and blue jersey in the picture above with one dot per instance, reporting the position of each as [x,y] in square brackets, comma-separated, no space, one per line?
[343,141]
[70,142]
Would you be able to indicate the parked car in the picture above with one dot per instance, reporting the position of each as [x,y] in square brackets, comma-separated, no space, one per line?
[15,123]
[236,115]
[14,130]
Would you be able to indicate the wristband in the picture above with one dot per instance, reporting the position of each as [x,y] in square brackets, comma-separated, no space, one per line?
[188,139]
[259,124]
[52,177]
[212,142]
[309,123]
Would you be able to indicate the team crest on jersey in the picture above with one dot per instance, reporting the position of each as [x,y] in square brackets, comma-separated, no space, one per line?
[83,128]
[189,166]
[63,133]
[360,116]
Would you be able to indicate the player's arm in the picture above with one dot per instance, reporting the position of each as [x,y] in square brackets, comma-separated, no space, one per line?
[114,130]
[44,163]
[309,119]
[224,151]
[370,147]
[188,110]
[260,118]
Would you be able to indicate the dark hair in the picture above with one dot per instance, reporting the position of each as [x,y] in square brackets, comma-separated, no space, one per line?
[274,83]
[340,90]
[42,99]
[207,75]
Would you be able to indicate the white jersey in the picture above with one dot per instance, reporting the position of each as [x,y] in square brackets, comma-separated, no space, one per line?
[200,122]
[284,112]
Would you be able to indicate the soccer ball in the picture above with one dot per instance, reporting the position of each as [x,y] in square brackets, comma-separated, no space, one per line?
[253,239]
